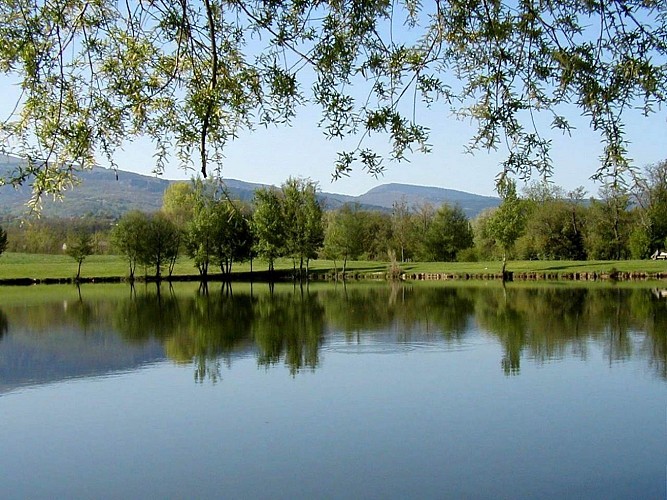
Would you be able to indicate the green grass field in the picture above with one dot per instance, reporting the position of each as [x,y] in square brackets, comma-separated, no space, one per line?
[37,266]
[41,266]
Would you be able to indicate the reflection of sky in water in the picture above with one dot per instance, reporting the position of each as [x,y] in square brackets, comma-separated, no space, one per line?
[390,425]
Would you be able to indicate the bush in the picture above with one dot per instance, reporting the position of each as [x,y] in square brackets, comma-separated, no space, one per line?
[640,243]
[467,255]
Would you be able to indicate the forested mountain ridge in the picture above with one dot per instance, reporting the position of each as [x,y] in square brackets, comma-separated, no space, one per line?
[106,192]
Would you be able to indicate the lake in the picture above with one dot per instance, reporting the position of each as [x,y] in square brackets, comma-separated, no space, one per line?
[370,390]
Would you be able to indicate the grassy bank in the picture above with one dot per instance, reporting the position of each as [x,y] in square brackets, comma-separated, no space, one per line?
[41,267]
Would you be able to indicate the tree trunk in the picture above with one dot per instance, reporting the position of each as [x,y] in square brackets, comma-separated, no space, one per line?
[504,265]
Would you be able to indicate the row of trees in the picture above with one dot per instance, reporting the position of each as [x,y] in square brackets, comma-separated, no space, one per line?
[200,219]
[542,222]
[548,223]
[47,234]
[420,233]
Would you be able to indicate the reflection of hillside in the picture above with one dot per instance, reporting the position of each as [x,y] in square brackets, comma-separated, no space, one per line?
[57,340]
[31,358]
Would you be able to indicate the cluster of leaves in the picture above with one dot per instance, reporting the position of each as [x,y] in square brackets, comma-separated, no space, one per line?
[549,223]
[218,232]
[193,75]
[288,223]
[150,240]
[419,233]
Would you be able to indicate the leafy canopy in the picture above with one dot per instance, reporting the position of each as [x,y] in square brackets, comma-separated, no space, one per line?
[193,74]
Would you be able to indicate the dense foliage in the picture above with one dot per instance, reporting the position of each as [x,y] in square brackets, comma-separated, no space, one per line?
[288,223]
[193,75]
[150,240]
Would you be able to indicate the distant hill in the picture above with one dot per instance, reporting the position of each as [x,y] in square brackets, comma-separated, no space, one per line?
[101,192]
[386,194]
[107,192]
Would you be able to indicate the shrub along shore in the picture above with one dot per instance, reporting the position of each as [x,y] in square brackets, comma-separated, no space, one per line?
[29,269]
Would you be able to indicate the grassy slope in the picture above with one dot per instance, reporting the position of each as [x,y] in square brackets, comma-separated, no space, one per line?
[18,265]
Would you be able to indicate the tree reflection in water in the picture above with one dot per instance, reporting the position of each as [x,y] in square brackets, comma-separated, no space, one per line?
[282,323]
[4,324]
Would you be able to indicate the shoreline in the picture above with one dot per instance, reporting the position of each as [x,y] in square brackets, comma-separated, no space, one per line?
[286,276]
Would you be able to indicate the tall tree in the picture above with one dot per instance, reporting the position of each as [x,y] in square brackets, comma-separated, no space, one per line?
[268,223]
[652,198]
[449,232]
[162,241]
[609,226]
[303,217]
[93,74]
[377,234]
[485,242]
[79,246]
[555,223]
[344,236]
[232,240]
[508,222]
[200,234]
[129,237]
[3,241]
[424,214]
[401,225]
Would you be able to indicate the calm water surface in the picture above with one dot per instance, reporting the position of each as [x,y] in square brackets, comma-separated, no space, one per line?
[364,391]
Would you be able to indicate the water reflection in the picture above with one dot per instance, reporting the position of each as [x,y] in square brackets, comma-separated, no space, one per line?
[4,325]
[211,326]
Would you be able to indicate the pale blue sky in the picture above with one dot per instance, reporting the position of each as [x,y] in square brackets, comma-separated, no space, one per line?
[271,155]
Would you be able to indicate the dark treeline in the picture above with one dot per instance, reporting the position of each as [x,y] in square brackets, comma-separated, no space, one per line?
[292,325]
[198,219]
